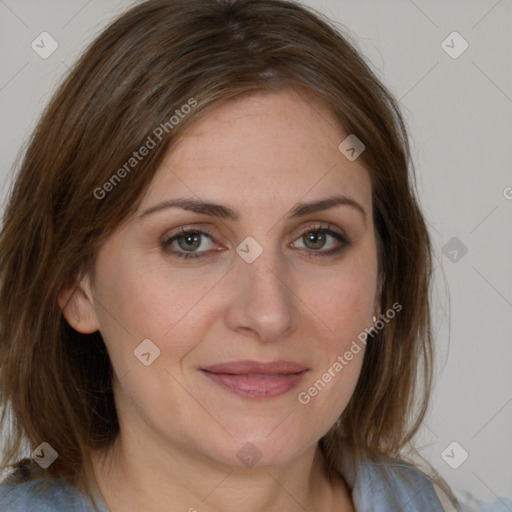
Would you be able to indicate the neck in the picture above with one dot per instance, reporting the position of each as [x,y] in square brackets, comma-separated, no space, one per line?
[137,475]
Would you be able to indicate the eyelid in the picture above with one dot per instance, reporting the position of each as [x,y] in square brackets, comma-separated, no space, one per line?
[170,237]
[335,232]
[338,234]
[318,225]
[185,229]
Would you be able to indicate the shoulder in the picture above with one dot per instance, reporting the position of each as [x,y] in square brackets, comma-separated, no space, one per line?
[412,484]
[43,495]
[397,484]
[468,503]
[382,484]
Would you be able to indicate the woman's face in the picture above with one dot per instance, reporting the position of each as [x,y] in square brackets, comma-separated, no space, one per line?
[268,286]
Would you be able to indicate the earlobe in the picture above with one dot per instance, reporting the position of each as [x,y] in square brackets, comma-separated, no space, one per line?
[77,305]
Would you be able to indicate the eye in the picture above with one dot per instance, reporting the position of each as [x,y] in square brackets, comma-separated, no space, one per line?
[187,243]
[321,241]
[194,243]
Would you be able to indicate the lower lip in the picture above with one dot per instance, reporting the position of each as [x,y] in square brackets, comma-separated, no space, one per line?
[259,386]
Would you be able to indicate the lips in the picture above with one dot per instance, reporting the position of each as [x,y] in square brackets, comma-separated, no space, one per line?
[255,367]
[254,379]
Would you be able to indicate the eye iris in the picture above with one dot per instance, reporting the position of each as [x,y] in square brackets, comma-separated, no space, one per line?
[314,239]
[189,241]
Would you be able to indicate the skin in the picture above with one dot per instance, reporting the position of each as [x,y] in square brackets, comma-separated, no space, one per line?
[180,432]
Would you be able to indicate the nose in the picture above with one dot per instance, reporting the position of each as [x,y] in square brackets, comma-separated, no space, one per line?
[263,303]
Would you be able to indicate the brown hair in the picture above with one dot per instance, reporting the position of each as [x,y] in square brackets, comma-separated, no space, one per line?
[157,57]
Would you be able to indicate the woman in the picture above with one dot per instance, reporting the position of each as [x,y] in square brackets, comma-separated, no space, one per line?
[215,275]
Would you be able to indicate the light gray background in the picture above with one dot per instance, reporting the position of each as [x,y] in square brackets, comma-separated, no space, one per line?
[459,112]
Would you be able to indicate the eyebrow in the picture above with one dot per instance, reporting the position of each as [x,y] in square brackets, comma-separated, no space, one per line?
[225,212]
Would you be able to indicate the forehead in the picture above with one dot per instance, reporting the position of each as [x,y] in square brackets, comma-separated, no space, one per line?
[262,148]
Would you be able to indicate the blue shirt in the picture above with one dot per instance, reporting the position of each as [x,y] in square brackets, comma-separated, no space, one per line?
[375,488]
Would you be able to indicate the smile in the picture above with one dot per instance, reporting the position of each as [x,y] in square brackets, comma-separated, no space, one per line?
[251,379]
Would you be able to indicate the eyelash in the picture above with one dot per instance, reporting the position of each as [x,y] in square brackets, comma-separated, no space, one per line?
[311,252]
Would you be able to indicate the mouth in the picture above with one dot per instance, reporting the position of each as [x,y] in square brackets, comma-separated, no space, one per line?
[253,379]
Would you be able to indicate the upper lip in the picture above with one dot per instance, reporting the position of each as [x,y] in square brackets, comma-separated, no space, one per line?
[256,367]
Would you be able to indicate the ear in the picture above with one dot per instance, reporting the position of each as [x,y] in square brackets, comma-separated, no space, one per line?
[77,304]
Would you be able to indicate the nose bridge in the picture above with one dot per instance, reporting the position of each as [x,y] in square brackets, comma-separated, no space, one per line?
[262,302]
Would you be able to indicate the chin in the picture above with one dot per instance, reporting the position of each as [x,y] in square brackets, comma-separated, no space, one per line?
[263,451]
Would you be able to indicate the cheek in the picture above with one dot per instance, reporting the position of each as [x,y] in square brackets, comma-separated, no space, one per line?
[343,312]
[341,304]
[343,300]
[139,301]
[183,311]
